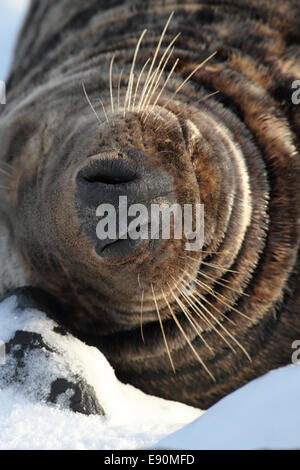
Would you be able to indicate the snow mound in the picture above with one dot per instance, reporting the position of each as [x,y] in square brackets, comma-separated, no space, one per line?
[264,414]
[132,419]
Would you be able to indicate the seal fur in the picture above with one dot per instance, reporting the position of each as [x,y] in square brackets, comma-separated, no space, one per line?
[237,152]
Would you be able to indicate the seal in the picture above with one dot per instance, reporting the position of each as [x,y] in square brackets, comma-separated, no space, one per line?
[161,102]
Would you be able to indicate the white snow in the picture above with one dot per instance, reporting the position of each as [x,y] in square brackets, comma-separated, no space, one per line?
[263,414]
[133,419]
[19,6]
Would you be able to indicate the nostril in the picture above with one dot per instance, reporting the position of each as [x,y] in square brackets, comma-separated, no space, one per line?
[109,172]
[106,179]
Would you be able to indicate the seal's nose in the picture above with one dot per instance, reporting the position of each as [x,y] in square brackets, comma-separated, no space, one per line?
[107,189]
[108,172]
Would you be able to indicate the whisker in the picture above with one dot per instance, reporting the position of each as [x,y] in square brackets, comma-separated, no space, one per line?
[8,165]
[134,61]
[126,96]
[209,95]
[218,322]
[202,316]
[172,124]
[220,297]
[119,86]
[205,252]
[130,92]
[217,266]
[190,318]
[159,70]
[223,283]
[216,309]
[228,333]
[154,85]
[196,307]
[144,91]
[180,114]
[148,79]
[192,73]
[141,316]
[191,279]
[201,100]
[110,84]
[165,84]
[162,329]
[186,337]
[142,307]
[138,81]
[5,172]
[89,102]
[101,102]
[139,281]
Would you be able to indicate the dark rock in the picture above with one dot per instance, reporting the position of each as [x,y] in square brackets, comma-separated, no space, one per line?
[83,399]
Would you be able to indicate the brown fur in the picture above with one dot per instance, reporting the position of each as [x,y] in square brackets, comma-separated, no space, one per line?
[236,152]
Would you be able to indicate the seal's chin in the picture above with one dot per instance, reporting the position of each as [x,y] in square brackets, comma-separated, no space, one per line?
[146,285]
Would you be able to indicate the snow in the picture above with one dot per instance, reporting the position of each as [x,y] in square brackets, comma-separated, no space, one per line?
[12,13]
[19,6]
[132,419]
[263,414]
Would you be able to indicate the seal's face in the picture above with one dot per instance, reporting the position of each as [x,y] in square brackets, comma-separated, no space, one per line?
[169,154]
[142,157]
